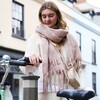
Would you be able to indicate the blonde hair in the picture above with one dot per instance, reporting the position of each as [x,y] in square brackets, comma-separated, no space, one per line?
[50,5]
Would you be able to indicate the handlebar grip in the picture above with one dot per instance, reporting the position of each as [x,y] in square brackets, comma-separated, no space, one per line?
[22,62]
[18,63]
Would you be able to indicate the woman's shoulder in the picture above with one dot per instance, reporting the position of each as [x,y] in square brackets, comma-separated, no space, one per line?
[71,39]
[70,35]
[34,36]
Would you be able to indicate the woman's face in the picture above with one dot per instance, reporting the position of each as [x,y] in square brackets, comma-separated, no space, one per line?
[49,18]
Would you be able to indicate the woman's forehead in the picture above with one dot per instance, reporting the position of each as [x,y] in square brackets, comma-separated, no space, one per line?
[47,11]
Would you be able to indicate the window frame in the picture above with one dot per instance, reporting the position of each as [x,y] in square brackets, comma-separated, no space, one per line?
[21,23]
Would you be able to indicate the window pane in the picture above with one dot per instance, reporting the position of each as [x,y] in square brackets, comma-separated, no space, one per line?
[93,51]
[78,39]
[94,81]
[20,9]
[13,6]
[20,17]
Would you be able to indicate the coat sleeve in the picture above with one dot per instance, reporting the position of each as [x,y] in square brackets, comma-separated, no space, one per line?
[32,47]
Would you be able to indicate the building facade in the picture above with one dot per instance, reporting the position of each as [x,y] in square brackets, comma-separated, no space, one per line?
[18,20]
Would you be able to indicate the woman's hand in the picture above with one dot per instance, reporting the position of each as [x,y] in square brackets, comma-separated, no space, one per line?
[34,59]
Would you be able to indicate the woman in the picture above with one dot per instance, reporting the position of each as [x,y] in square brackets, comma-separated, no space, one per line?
[58,50]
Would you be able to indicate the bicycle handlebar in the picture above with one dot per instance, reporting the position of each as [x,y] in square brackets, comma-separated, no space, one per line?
[21,62]
[18,63]
[6,61]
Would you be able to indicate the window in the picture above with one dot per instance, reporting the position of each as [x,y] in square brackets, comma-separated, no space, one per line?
[78,39]
[16,89]
[17,20]
[93,52]
[94,81]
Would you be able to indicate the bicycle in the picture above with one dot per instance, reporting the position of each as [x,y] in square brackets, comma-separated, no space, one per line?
[5,63]
[81,94]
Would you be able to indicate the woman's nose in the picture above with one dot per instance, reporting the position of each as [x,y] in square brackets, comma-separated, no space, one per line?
[47,18]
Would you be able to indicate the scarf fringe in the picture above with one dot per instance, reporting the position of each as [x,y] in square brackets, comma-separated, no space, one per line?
[60,81]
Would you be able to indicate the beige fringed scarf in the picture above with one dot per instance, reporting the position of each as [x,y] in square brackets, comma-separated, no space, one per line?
[52,62]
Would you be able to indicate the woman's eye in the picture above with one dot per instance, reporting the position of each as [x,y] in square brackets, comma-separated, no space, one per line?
[51,15]
[43,16]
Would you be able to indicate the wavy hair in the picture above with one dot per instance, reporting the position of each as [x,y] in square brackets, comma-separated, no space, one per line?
[50,5]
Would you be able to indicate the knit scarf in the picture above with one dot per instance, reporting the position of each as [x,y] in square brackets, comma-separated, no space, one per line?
[52,61]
